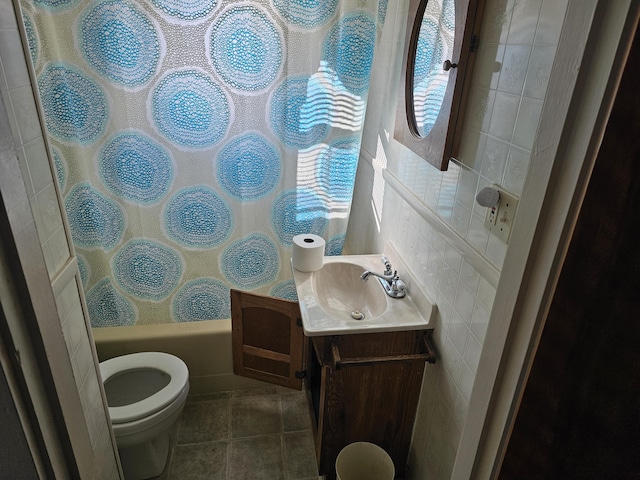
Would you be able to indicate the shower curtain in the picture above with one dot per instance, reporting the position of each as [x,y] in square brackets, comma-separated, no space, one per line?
[193,139]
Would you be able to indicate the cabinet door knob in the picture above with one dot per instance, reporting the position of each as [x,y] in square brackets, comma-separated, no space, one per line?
[447,65]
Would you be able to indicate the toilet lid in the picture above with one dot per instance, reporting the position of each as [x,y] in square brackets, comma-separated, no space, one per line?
[169,364]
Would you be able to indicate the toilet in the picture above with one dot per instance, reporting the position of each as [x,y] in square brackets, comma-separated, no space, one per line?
[146,393]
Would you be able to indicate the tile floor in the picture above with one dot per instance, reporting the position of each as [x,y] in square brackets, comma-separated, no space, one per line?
[249,434]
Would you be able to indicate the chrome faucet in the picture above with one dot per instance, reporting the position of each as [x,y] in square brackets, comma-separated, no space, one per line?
[389,279]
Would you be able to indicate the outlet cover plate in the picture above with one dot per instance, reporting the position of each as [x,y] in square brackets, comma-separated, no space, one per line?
[499,219]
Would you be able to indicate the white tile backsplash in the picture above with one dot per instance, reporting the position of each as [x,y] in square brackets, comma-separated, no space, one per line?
[511,72]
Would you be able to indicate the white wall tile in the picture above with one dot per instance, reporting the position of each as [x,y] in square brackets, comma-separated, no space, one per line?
[460,407]
[469,276]
[480,321]
[539,71]
[527,123]
[49,210]
[59,249]
[467,188]
[496,20]
[503,118]
[524,21]
[487,66]
[550,23]
[516,170]
[466,380]
[494,159]
[480,108]
[464,303]
[496,251]
[13,62]
[458,334]
[13,123]
[472,352]
[472,149]
[82,362]
[24,108]
[514,69]
[38,164]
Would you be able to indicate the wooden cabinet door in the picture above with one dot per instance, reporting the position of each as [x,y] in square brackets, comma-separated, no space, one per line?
[268,341]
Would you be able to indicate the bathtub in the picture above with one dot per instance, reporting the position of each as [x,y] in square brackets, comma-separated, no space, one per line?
[204,346]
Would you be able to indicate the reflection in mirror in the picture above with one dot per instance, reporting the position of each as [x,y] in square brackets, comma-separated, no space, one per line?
[430,72]
[441,39]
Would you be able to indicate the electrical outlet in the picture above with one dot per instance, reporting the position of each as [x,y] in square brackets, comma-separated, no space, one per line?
[499,219]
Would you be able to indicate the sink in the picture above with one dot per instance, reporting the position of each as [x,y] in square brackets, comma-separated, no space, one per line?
[339,290]
[335,300]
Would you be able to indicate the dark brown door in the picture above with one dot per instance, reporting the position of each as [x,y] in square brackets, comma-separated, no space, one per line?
[268,341]
[580,414]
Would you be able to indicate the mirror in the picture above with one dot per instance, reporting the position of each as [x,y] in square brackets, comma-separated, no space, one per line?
[441,39]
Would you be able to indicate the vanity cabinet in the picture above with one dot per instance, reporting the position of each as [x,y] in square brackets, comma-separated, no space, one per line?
[363,387]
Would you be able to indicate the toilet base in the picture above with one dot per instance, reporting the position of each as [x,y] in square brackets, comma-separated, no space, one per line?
[146,460]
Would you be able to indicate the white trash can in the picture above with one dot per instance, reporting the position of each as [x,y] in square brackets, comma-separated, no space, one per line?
[364,461]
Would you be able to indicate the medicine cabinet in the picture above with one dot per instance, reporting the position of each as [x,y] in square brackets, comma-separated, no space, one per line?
[440,43]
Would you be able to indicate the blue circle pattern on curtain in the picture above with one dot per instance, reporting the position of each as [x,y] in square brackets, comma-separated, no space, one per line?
[336,168]
[191,10]
[284,115]
[196,217]
[248,166]
[306,13]
[135,168]
[295,212]
[95,220]
[56,5]
[348,50]
[190,109]
[119,42]
[334,246]
[250,262]
[246,48]
[107,307]
[75,107]
[32,38]
[286,290]
[201,299]
[147,269]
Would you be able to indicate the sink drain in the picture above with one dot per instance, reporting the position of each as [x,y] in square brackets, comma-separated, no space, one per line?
[357,315]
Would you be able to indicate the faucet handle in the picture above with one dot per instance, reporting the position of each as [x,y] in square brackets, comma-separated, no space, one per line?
[387,265]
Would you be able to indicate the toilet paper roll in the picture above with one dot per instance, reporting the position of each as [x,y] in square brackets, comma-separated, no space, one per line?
[308,252]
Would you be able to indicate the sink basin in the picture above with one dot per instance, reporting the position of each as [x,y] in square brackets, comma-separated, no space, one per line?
[340,291]
[335,300]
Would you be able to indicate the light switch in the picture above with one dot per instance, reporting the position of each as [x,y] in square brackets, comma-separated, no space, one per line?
[499,219]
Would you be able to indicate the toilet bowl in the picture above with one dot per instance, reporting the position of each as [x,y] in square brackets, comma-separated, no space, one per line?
[146,393]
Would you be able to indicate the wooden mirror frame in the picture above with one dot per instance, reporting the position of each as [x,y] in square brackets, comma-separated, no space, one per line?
[443,141]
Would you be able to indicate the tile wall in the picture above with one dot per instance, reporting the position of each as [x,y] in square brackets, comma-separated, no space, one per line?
[431,216]
[28,139]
